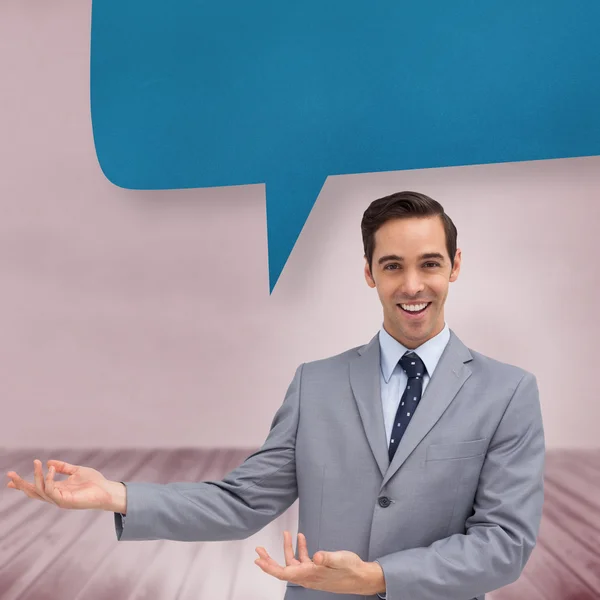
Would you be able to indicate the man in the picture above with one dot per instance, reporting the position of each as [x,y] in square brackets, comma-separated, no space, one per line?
[418,463]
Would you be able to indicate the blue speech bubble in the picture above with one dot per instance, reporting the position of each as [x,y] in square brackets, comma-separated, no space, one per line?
[194,94]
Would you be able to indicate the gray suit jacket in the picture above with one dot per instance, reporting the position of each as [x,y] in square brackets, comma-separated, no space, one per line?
[454,515]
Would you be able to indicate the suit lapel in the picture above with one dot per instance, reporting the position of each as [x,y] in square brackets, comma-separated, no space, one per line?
[449,376]
[365,381]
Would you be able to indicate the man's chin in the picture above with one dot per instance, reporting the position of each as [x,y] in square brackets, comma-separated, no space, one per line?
[413,334]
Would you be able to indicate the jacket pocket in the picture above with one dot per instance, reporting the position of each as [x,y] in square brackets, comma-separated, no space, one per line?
[457,450]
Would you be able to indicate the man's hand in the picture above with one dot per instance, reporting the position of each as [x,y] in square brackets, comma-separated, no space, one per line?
[339,572]
[84,487]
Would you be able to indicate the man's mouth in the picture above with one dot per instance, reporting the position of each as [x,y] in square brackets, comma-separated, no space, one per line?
[415,309]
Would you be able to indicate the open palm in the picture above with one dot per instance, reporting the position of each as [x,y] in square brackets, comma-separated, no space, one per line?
[84,487]
[341,572]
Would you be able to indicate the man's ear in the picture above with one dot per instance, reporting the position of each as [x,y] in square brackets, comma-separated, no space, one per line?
[368,276]
[456,268]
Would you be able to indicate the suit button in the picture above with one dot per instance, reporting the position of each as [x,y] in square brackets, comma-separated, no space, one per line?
[384,501]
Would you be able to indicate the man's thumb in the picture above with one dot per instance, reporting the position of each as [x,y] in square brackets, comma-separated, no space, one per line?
[323,559]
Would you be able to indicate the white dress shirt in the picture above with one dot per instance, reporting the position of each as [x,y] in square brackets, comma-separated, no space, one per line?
[394,379]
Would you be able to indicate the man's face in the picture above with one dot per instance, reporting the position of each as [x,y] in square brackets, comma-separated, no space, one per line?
[411,267]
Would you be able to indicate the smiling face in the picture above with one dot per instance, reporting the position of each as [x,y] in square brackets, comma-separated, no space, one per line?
[411,269]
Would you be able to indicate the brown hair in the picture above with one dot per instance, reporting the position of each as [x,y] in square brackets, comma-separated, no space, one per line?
[404,205]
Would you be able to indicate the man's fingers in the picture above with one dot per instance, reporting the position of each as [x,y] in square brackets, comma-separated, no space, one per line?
[268,561]
[38,477]
[288,549]
[266,556]
[33,494]
[62,467]
[20,483]
[49,484]
[27,488]
[303,548]
[39,481]
[269,565]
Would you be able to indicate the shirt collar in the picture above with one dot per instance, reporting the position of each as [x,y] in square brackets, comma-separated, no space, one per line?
[429,352]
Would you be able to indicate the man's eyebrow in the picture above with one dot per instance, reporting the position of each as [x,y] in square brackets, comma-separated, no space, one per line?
[397,258]
[432,255]
[389,257]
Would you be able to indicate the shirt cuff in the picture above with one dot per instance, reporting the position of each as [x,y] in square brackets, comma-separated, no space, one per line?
[122,515]
[120,521]
[382,596]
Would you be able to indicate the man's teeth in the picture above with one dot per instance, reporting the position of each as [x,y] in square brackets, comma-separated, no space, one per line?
[414,307]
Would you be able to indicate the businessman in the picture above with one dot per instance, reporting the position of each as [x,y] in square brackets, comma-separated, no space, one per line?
[418,462]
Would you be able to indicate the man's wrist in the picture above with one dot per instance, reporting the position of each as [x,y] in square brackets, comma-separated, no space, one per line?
[118,497]
[374,578]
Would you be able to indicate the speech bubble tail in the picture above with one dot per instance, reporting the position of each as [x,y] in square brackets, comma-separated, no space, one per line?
[289,202]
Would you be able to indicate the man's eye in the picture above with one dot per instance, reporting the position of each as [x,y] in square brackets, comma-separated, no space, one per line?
[435,264]
[391,266]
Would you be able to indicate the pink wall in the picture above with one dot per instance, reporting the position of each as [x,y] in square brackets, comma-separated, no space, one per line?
[144,319]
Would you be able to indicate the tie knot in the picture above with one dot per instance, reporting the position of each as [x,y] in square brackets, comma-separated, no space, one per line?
[413,366]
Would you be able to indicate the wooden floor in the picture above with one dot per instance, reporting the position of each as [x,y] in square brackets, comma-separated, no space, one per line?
[48,554]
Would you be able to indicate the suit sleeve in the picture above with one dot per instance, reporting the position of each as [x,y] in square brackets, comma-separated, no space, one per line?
[502,530]
[242,503]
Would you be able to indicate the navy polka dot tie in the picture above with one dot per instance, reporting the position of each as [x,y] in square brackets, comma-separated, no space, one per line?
[415,370]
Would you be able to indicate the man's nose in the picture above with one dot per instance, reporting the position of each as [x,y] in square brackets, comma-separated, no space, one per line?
[411,284]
